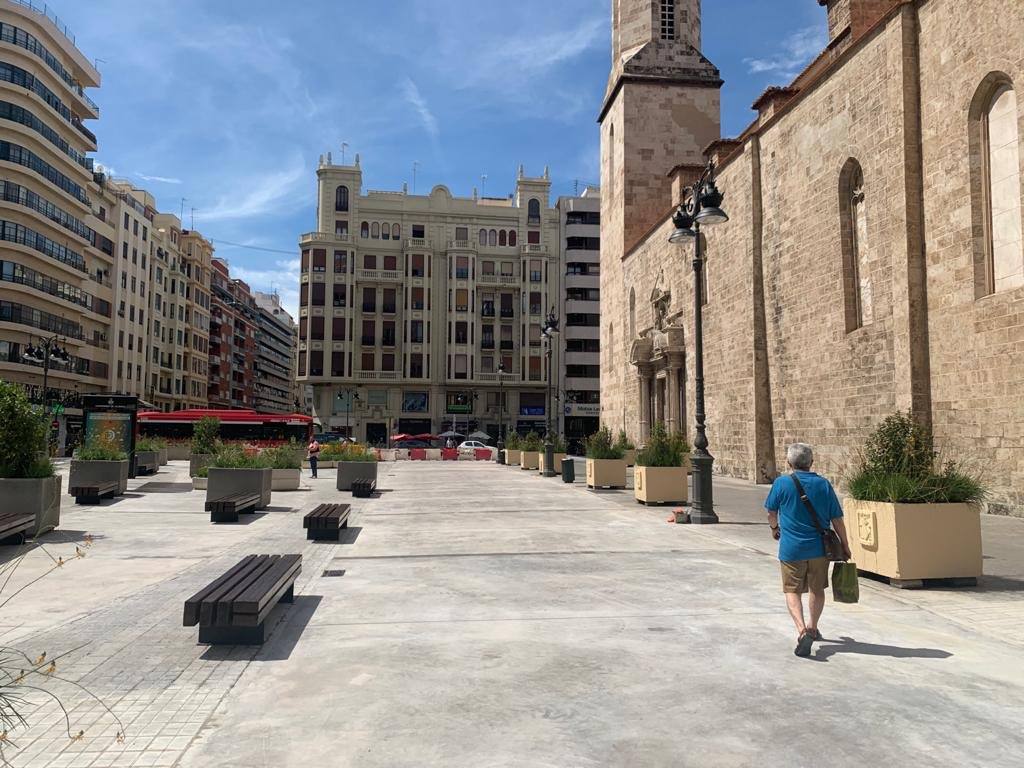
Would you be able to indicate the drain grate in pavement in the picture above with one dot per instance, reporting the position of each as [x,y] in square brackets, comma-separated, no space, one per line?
[329,574]
[166,487]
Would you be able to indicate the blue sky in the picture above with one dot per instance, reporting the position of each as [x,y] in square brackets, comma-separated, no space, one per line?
[229,103]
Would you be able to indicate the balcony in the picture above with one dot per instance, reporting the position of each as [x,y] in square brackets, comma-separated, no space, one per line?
[508,345]
[533,248]
[368,341]
[462,245]
[377,375]
[508,312]
[389,309]
[417,242]
[313,237]
[380,275]
[487,344]
[498,280]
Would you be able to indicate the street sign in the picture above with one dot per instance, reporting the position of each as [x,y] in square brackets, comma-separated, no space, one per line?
[55,424]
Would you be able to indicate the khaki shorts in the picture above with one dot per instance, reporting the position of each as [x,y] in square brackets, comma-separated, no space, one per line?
[800,576]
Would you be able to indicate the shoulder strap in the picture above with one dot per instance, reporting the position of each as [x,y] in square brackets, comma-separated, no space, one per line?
[807,503]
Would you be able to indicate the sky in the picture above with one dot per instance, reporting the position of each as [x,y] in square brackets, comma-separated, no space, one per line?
[229,104]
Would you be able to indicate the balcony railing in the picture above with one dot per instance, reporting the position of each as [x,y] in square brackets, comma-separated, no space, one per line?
[417,242]
[533,248]
[377,375]
[498,279]
[508,313]
[508,345]
[461,245]
[386,275]
[487,344]
[368,341]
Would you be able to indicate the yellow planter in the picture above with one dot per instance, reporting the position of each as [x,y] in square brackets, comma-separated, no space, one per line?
[512,457]
[557,462]
[606,473]
[629,456]
[529,459]
[660,485]
[908,542]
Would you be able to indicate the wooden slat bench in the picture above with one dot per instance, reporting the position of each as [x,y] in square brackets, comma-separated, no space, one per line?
[15,527]
[363,488]
[227,509]
[93,492]
[232,609]
[326,521]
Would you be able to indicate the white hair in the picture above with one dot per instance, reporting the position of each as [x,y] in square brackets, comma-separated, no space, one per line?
[800,456]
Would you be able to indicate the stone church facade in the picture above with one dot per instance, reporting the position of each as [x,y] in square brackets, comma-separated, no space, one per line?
[873,259]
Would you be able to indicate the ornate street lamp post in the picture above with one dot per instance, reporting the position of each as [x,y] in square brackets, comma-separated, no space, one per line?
[350,395]
[550,332]
[48,349]
[700,207]
[501,413]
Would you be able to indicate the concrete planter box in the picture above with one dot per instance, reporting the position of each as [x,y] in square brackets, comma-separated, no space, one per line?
[629,456]
[197,461]
[388,454]
[223,482]
[513,457]
[91,472]
[606,473]
[179,452]
[321,464]
[559,458]
[660,485]
[401,454]
[149,458]
[355,470]
[910,542]
[433,454]
[198,483]
[529,460]
[162,454]
[285,479]
[38,494]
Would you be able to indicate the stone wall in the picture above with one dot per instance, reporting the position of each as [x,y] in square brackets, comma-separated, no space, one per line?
[976,340]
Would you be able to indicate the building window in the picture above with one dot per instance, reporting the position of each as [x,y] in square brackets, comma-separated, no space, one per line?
[391,263]
[387,334]
[341,199]
[316,328]
[857,294]
[996,193]
[390,299]
[461,234]
[387,362]
[340,262]
[462,332]
[535,303]
[668,19]
[338,329]
[533,237]
[507,270]
[369,299]
[319,260]
[385,231]
[533,212]
[375,231]
[396,232]
[462,267]
[339,299]
[417,297]
[416,331]
[417,265]
[512,238]
[502,238]
[340,228]
[535,271]
[461,300]
[369,261]
[487,268]
[461,367]
[368,361]
[369,337]
[535,370]
[364,230]
[492,237]
[419,231]
[318,294]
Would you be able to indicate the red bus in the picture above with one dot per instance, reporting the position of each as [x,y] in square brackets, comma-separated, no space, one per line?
[247,426]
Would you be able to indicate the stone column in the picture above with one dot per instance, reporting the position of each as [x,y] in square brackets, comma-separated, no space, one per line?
[672,393]
[644,380]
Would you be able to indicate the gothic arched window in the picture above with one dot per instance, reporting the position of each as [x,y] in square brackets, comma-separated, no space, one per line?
[533,212]
[364,229]
[512,237]
[341,199]
[502,237]
[492,237]
[857,293]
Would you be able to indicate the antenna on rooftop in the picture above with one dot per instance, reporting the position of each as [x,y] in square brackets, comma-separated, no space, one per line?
[415,167]
[344,146]
[193,225]
[483,185]
[181,214]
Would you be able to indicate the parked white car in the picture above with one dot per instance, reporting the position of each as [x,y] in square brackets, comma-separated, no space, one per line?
[468,447]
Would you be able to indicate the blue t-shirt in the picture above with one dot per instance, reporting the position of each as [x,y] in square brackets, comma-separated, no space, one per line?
[800,539]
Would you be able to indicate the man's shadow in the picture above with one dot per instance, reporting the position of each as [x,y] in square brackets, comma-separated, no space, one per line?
[849,645]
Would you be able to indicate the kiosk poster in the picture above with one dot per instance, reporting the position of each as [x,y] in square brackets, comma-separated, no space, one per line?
[113,429]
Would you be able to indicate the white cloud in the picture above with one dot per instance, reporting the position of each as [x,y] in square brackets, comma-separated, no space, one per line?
[159,179]
[412,95]
[797,51]
[273,192]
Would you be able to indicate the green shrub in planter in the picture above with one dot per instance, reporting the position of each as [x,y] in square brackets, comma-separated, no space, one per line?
[662,449]
[149,444]
[600,445]
[899,467]
[22,436]
[623,443]
[100,449]
[558,442]
[532,442]
[235,457]
[205,435]
[513,441]
[353,452]
[282,457]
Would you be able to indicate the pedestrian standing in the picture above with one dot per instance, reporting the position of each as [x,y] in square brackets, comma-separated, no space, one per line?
[790,504]
[313,453]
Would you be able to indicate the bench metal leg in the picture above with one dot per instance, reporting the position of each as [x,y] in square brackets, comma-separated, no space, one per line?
[213,635]
[289,596]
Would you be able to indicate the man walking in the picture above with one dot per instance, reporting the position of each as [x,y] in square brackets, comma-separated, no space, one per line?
[313,453]
[801,549]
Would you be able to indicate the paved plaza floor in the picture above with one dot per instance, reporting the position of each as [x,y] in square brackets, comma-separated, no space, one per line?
[477,615]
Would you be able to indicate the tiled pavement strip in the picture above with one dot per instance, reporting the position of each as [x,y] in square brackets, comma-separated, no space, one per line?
[140,661]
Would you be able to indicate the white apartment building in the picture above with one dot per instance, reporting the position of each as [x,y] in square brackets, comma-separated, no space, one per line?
[410,305]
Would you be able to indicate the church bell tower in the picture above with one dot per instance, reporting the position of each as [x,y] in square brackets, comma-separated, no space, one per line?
[661,109]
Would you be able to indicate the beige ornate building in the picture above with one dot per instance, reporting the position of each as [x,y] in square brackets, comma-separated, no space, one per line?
[873,260]
[410,303]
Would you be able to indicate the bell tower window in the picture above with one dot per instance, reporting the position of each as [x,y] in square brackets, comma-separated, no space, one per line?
[668,19]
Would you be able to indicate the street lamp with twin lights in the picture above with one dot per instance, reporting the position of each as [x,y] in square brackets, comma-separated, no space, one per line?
[47,351]
[701,206]
[501,412]
[549,332]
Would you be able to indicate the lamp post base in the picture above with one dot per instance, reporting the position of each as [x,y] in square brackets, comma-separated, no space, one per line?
[702,508]
[500,457]
[549,459]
